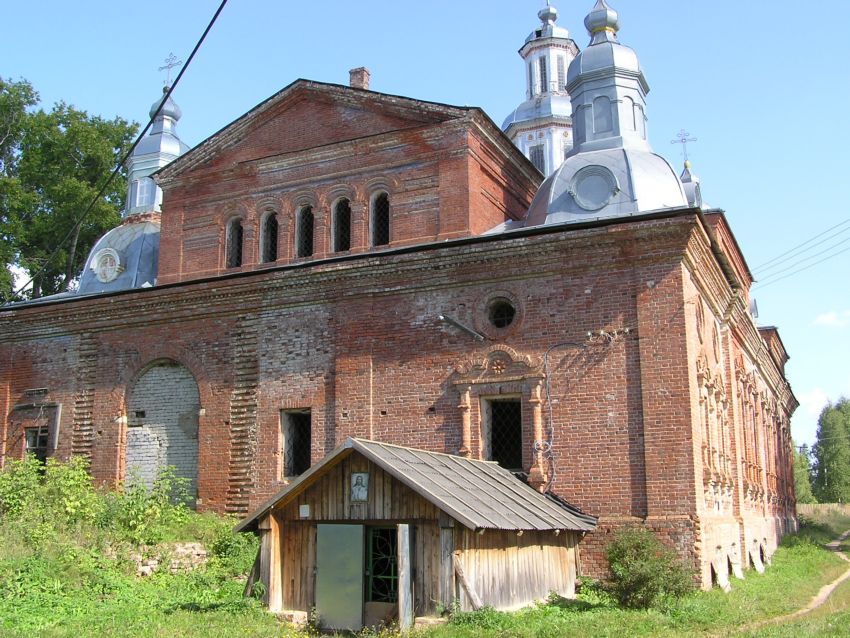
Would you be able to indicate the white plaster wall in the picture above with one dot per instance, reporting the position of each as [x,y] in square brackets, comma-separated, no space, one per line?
[167,434]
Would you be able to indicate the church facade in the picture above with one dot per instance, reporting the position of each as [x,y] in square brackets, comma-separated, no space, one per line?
[344,263]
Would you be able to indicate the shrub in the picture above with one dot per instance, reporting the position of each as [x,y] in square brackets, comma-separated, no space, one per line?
[644,573]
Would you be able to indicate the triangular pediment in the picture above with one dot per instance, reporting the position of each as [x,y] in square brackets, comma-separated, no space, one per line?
[307,115]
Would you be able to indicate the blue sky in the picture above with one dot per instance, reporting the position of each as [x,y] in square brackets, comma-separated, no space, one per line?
[762,85]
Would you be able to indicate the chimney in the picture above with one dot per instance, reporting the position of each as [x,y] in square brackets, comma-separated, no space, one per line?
[359,78]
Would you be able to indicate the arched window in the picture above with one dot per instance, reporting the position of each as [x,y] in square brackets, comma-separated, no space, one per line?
[602,116]
[381,220]
[234,243]
[269,238]
[304,246]
[342,225]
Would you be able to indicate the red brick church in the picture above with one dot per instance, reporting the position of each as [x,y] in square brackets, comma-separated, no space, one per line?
[344,263]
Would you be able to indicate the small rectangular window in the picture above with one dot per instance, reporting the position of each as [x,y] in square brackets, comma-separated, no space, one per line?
[562,73]
[37,440]
[538,157]
[296,447]
[502,431]
[544,76]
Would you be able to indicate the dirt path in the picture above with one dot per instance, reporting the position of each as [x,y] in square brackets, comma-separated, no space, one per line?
[819,599]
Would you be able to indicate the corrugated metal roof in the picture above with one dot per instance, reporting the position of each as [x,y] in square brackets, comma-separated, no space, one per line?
[478,494]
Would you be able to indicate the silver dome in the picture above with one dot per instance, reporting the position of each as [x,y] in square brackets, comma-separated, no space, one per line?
[606,183]
[132,253]
[541,107]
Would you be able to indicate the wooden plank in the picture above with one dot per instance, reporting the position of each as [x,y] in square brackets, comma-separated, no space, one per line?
[405,580]
[446,586]
[253,575]
[275,591]
[467,586]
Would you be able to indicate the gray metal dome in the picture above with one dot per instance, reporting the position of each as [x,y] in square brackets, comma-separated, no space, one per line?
[553,105]
[126,257]
[606,183]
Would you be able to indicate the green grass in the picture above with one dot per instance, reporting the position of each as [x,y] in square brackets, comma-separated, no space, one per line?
[64,572]
[800,568]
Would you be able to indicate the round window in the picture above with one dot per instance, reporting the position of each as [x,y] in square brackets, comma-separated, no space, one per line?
[501,313]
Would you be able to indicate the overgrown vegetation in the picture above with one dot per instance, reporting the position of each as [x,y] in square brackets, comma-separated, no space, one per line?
[65,567]
[64,571]
[645,573]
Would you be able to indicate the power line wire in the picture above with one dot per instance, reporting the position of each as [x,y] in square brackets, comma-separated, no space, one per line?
[773,281]
[117,168]
[797,253]
[808,241]
[809,258]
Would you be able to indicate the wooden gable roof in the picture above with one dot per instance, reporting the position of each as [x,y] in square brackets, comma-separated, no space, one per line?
[478,494]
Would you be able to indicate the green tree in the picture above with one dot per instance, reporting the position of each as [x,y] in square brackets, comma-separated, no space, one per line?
[832,454]
[803,475]
[15,99]
[54,164]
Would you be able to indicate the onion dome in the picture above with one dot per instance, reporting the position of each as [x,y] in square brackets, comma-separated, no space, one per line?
[169,109]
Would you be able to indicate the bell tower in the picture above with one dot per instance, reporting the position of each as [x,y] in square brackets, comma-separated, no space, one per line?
[541,127]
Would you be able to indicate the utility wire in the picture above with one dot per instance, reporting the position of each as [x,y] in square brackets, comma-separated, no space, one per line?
[773,281]
[805,259]
[129,152]
[808,241]
[797,253]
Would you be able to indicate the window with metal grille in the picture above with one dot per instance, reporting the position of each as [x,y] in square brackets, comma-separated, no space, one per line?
[270,227]
[381,220]
[296,442]
[562,73]
[342,225]
[234,243]
[305,232]
[544,76]
[503,429]
[537,156]
[382,565]
[37,442]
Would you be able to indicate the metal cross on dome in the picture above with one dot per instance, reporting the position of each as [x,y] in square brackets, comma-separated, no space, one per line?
[683,140]
[170,62]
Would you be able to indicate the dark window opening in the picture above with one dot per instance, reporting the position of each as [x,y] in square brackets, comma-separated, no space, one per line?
[37,442]
[505,429]
[562,73]
[530,80]
[140,414]
[342,226]
[544,77]
[501,313]
[296,442]
[270,227]
[381,220]
[537,156]
[305,232]
[381,565]
[234,243]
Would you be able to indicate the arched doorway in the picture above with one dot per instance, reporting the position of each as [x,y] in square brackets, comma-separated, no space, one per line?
[162,424]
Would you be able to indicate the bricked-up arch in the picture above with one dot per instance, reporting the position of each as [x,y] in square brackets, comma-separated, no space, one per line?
[268,238]
[162,424]
[342,225]
[380,219]
[305,232]
[233,256]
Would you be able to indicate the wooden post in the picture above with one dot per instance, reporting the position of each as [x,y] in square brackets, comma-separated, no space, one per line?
[467,586]
[405,580]
[270,565]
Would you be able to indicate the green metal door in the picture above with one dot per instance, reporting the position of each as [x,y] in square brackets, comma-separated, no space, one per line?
[339,576]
